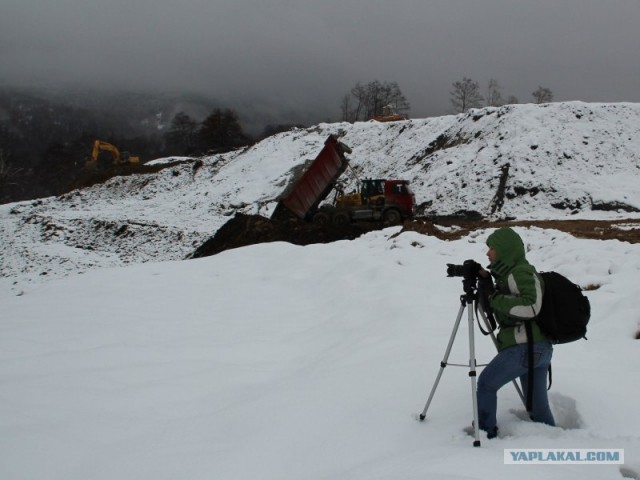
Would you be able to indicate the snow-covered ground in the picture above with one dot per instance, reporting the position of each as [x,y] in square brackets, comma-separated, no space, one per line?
[283,362]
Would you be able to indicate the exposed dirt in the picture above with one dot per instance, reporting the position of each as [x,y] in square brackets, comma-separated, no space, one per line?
[243,230]
[627,230]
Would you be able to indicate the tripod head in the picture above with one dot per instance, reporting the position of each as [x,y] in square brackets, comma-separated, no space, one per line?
[470,287]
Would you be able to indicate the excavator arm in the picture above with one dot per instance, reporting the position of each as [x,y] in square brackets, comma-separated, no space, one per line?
[99,145]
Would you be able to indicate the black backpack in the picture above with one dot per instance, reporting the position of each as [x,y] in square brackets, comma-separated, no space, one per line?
[563,318]
[565,310]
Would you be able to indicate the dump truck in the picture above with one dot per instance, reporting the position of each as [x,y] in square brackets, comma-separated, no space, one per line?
[390,201]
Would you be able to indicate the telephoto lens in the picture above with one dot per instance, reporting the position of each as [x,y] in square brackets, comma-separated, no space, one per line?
[469,269]
[454,270]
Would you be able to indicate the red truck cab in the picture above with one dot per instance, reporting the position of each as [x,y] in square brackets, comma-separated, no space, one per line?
[398,192]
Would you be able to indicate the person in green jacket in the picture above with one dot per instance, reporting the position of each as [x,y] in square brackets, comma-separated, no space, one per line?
[517,299]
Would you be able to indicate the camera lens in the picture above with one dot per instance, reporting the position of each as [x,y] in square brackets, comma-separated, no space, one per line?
[455,270]
[469,269]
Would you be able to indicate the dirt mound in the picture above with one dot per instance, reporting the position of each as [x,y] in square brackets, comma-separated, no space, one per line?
[243,230]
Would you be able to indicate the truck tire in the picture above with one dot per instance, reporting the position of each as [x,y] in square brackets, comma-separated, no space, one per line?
[341,218]
[392,216]
[321,218]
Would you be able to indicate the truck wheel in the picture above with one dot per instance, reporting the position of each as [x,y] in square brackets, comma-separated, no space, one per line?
[392,216]
[341,218]
[321,218]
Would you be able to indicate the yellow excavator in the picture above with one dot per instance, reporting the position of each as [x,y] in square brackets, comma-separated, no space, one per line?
[119,158]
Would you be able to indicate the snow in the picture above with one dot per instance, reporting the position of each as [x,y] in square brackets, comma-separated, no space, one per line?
[118,359]
[282,362]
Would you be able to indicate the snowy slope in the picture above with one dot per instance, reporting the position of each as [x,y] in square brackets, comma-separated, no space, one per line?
[526,161]
[283,362]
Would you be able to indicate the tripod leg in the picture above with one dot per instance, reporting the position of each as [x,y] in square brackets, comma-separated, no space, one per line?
[472,376]
[444,361]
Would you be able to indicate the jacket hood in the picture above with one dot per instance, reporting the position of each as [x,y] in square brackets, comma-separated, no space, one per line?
[509,250]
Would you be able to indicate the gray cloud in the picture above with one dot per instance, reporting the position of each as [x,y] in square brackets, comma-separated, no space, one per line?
[306,54]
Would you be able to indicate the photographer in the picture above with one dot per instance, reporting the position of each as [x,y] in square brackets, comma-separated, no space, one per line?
[515,302]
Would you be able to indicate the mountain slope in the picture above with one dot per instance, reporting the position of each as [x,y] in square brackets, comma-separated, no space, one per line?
[518,161]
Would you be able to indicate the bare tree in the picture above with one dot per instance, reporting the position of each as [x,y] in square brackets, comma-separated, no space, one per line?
[543,95]
[360,94]
[367,101]
[465,95]
[221,131]
[345,108]
[376,98]
[392,95]
[7,176]
[494,96]
[511,100]
[182,134]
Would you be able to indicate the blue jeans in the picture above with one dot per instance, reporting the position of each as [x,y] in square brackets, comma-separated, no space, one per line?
[507,365]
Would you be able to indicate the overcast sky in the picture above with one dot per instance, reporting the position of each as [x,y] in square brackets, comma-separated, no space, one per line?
[309,53]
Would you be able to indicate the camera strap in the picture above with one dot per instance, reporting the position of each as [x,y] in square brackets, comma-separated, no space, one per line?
[483,310]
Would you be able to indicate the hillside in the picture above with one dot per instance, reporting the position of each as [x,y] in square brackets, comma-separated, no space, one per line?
[528,162]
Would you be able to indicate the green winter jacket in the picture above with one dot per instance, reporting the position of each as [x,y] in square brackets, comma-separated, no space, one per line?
[519,288]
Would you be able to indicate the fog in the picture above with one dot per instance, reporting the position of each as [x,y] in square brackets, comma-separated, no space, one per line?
[303,55]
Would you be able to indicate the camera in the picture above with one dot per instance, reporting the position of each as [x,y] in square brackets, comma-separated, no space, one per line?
[468,270]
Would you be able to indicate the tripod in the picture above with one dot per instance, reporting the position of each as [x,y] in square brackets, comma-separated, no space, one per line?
[468,299]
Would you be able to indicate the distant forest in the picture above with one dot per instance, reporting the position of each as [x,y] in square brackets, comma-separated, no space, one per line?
[46,140]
